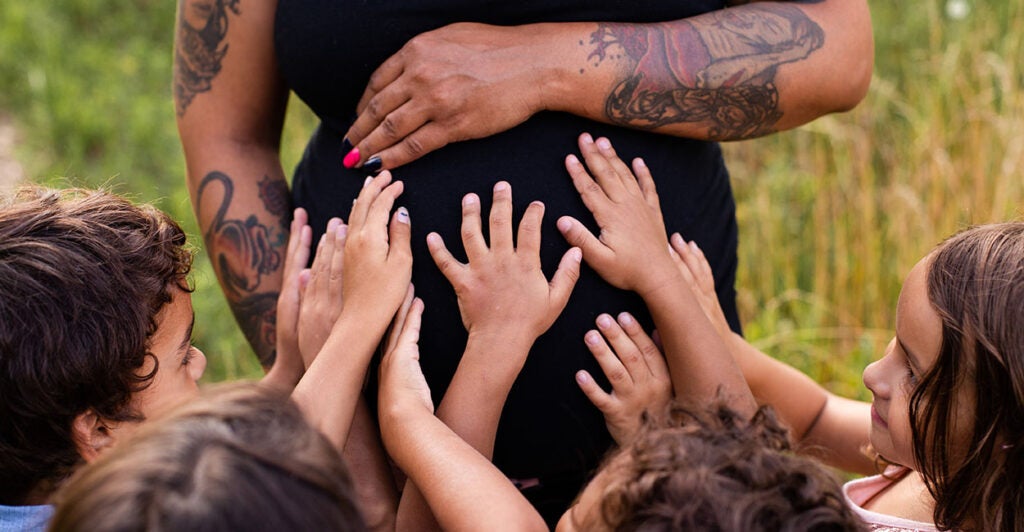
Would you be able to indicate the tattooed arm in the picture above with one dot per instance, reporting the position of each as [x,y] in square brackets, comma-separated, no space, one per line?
[230,104]
[730,74]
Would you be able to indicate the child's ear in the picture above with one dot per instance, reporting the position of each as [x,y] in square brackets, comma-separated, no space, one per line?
[91,434]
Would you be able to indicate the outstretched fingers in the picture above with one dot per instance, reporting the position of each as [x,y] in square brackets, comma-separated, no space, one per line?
[565,278]
[450,267]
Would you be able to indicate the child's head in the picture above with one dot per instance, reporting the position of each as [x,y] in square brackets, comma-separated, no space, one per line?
[94,301]
[712,471]
[949,394]
[239,458]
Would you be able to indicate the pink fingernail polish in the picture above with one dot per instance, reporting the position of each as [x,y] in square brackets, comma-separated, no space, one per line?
[351,159]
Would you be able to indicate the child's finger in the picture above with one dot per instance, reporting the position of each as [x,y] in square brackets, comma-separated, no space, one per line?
[334,279]
[380,208]
[400,235]
[411,328]
[371,188]
[450,267]
[601,168]
[646,182]
[501,217]
[598,397]
[472,234]
[612,367]
[705,266]
[528,239]
[652,356]
[565,278]
[626,179]
[299,223]
[630,357]
[680,251]
[322,263]
[593,196]
[399,322]
[576,234]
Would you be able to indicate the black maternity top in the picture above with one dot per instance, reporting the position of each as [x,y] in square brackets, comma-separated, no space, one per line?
[327,50]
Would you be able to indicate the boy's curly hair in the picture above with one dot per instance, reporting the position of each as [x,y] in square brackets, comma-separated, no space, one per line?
[719,471]
[83,275]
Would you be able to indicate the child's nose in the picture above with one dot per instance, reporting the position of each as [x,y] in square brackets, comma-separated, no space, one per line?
[198,364]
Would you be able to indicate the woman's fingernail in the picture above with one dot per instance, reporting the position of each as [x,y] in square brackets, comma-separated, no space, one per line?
[403,215]
[346,145]
[373,164]
[351,159]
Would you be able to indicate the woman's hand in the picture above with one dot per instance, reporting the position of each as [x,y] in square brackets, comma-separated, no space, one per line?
[377,263]
[463,81]
[636,370]
[632,251]
[502,290]
[321,298]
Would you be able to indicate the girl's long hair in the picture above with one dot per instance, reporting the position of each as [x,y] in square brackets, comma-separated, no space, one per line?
[973,462]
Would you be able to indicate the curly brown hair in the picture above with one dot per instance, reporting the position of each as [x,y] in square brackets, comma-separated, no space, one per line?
[976,285]
[719,471]
[241,457]
[83,275]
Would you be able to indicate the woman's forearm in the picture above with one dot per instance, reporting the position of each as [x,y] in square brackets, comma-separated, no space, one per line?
[731,74]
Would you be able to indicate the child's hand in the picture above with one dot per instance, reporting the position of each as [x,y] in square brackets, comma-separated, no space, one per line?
[698,275]
[288,364]
[321,296]
[637,372]
[632,252]
[502,289]
[377,262]
[402,383]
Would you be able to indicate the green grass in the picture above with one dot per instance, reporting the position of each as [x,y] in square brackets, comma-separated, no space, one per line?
[832,215]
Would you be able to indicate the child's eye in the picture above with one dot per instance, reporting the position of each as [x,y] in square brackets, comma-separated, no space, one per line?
[189,355]
[911,376]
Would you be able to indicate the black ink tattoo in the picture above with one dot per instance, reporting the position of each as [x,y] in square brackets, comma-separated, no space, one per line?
[202,26]
[257,317]
[243,252]
[721,73]
[276,199]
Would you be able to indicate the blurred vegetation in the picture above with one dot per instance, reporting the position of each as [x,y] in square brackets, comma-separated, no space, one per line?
[832,215]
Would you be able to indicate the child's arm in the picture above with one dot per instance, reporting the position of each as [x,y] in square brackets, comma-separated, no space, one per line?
[633,254]
[466,491]
[375,265]
[506,302]
[636,370]
[832,428]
